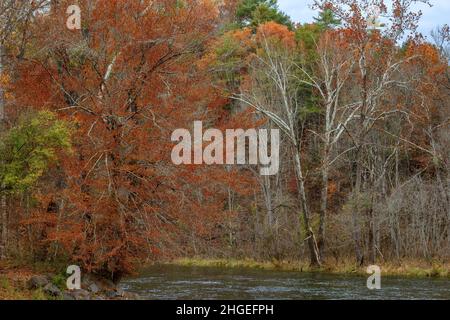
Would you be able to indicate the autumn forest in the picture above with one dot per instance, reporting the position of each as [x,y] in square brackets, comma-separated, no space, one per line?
[361,104]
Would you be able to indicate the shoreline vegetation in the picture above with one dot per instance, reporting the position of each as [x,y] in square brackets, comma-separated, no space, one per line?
[98,167]
[47,281]
[406,268]
[15,277]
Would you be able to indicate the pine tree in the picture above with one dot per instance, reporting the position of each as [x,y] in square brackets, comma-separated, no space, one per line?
[327,19]
[255,12]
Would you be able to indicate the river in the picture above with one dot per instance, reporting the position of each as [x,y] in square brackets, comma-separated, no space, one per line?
[179,282]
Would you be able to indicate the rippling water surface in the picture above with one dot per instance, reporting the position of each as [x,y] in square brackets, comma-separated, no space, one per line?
[175,282]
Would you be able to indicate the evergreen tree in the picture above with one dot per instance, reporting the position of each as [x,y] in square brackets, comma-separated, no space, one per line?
[255,12]
[327,19]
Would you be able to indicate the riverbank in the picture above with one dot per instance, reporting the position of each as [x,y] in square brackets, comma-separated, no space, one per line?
[43,282]
[13,284]
[48,282]
[405,268]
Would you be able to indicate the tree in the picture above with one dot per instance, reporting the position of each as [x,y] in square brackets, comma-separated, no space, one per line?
[26,152]
[273,92]
[15,18]
[326,19]
[327,73]
[441,39]
[255,12]
[126,82]
[376,73]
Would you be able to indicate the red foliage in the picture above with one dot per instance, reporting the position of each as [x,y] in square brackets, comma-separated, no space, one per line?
[127,81]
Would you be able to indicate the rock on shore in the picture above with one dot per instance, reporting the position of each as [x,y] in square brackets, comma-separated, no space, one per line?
[92,288]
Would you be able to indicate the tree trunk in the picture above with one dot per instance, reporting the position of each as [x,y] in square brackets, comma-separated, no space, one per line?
[323,204]
[372,234]
[267,192]
[443,187]
[355,213]
[312,244]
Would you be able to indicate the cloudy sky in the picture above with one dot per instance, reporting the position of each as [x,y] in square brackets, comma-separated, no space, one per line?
[439,14]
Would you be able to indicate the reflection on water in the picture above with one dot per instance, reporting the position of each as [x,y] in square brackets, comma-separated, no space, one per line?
[174,282]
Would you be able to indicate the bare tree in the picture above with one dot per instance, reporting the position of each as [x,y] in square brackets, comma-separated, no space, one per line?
[441,39]
[376,72]
[328,77]
[274,95]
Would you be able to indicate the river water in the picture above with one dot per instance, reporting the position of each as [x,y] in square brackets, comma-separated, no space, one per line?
[176,282]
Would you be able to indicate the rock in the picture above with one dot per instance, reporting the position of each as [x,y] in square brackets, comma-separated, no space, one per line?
[119,292]
[80,294]
[37,282]
[110,294]
[97,288]
[93,288]
[105,284]
[87,280]
[96,284]
[131,296]
[68,296]
[52,290]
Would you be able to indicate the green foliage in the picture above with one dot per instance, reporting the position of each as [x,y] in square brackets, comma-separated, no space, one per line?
[255,12]
[59,280]
[314,224]
[229,52]
[10,290]
[39,295]
[27,150]
[308,35]
[327,20]
[230,60]
[4,283]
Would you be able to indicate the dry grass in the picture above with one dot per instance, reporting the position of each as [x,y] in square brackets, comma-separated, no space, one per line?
[407,268]
[13,281]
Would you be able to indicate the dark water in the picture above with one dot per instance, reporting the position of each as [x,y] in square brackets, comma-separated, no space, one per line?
[174,282]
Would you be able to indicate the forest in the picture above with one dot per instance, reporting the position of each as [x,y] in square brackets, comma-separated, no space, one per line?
[362,104]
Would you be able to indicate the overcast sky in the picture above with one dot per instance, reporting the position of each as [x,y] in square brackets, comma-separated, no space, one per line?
[439,14]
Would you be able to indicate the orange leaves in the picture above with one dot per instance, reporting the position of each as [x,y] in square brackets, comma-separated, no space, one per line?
[242,35]
[332,189]
[126,81]
[272,31]
[237,46]
[38,84]
[5,83]
[429,57]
